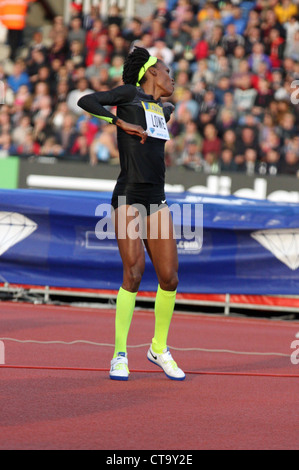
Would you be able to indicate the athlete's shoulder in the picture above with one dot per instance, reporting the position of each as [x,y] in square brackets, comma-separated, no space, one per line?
[127,91]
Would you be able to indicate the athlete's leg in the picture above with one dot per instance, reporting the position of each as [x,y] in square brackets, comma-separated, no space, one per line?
[162,249]
[131,250]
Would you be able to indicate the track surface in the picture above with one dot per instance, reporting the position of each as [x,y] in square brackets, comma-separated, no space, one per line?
[240,398]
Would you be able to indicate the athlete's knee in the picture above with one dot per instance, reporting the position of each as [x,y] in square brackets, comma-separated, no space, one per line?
[170,282]
[132,277]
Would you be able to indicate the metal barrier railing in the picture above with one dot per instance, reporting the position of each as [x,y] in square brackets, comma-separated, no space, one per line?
[126,6]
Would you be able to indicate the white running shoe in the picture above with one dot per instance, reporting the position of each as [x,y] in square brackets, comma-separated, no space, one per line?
[166,362]
[119,367]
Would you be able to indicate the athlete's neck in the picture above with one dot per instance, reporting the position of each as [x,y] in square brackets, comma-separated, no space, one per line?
[149,88]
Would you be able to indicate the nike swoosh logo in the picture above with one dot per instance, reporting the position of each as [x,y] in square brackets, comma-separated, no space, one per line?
[155,357]
[163,202]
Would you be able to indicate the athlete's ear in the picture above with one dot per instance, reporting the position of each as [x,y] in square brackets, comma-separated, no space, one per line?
[153,71]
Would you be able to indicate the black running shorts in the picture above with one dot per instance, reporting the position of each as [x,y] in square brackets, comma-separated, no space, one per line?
[150,196]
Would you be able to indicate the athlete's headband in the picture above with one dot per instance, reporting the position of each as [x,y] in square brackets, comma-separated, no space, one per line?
[151,61]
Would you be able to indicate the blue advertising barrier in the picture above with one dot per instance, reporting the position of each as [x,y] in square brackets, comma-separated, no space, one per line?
[53,238]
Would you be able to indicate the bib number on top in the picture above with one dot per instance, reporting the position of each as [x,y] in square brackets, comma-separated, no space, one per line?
[155,121]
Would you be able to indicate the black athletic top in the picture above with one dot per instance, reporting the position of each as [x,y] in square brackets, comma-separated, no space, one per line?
[140,163]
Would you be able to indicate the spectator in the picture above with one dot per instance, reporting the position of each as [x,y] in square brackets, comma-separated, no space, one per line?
[41,90]
[35,60]
[92,39]
[267,125]
[59,49]
[98,63]
[76,32]
[145,9]
[211,163]
[7,147]
[19,133]
[232,39]
[74,95]
[134,31]
[13,16]
[104,147]
[238,58]
[200,47]
[252,37]
[211,142]
[284,10]
[88,126]
[229,141]
[250,161]
[246,140]
[115,16]
[187,102]
[293,51]
[67,134]
[215,39]
[291,27]
[116,70]
[202,73]
[42,129]
[208,109]
[28,147]
[62,91]
[162,13]
[273,143]
[276,45]
[245,95]
[270,164]
[51,148]
[290,164]
[80,150]
[226,161]
[157,31]
[161,51]
[257,57]
[76,53]
[263,97]
[58,115]
[5,124]
[191,133]
[237,19]
[287,126]
[191,157]
[19,76]
[270,21]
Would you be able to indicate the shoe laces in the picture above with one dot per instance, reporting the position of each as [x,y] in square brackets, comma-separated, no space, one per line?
[120,362]
[120,366]
[168,359]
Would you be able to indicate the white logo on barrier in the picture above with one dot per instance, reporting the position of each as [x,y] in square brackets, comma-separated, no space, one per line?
[2,353]
[282,243]
[14,228]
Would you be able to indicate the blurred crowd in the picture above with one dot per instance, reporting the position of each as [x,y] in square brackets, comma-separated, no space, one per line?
[236,67]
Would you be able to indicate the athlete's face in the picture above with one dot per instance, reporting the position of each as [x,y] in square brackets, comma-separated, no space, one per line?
[164,80]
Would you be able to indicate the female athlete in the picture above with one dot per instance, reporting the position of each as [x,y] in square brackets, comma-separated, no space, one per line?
[139,200]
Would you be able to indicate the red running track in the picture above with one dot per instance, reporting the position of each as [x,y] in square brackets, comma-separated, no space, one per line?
[59,396]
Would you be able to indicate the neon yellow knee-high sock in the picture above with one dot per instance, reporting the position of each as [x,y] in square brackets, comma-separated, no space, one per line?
[164,306]
[125,304]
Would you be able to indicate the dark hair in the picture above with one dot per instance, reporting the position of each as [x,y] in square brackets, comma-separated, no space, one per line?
[133,63]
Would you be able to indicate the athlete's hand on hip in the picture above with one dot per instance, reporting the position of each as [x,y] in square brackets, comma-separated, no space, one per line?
[132,129]
[169,105]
